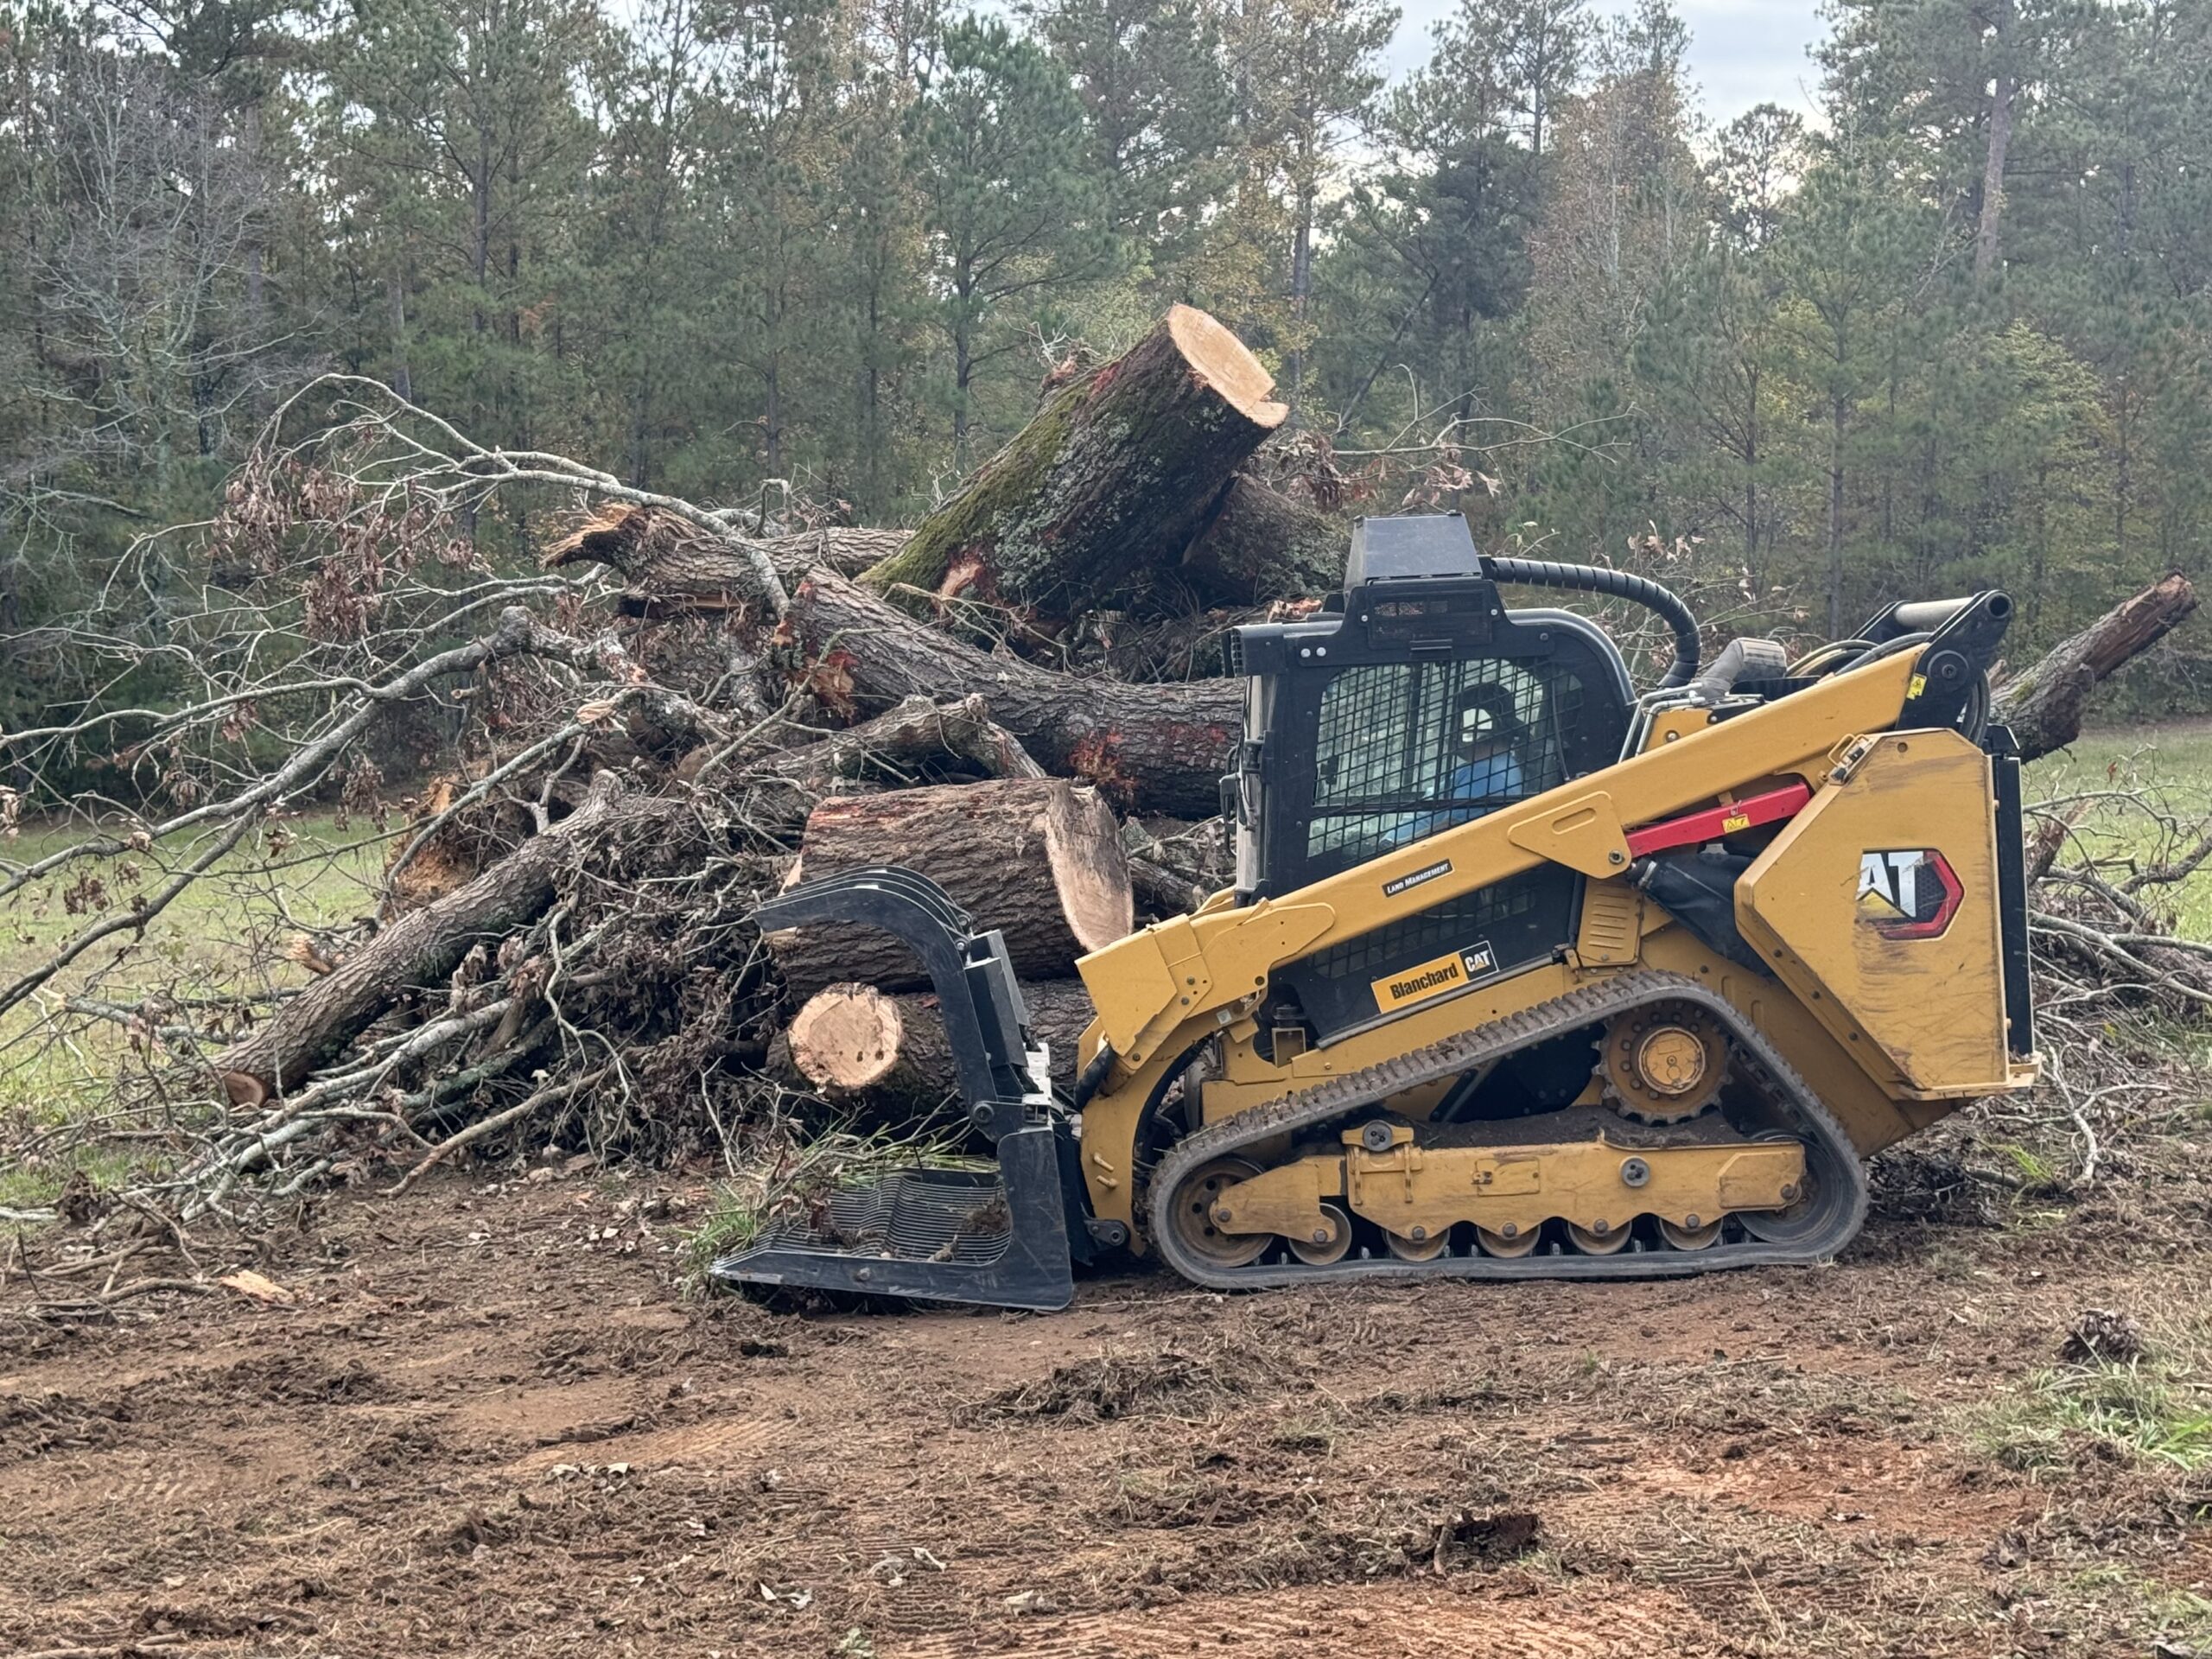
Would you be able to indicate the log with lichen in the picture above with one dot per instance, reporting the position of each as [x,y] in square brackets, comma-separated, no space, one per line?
[1108,484]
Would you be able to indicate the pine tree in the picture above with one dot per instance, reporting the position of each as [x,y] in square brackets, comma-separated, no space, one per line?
[1307,74]
[1013,213]
[1157,113]
[456,137]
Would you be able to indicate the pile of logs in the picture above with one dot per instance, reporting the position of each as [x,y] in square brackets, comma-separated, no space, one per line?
[564,939]
[780,709]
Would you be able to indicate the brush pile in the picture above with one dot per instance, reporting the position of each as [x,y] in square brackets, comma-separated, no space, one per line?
[602,763]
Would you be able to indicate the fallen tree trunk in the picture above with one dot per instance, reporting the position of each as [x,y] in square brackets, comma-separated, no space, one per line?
[2043,704]
[1259,544]
[674,564]
[1158,748]
[1112,477]
[1154,748]
[853,1041]
[1039,859]
[417,950]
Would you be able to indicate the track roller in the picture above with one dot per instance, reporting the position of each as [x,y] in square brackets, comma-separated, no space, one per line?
[1590,1241]
[1331,1247]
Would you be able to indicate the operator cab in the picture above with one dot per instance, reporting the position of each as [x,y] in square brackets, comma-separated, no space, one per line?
[1416,703]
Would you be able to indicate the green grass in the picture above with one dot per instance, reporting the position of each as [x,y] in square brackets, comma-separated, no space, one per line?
[310,870]
[2171,767]
[2154,1410]
[223,935]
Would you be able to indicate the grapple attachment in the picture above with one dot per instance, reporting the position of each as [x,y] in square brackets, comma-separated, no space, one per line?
[941,1235]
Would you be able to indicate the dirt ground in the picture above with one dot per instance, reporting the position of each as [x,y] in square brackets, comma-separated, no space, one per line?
[489,1423]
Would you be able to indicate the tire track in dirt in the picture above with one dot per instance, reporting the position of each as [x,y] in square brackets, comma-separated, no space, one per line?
[1403,1620]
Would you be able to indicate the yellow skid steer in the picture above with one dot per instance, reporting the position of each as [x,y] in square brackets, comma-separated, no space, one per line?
[1521,976]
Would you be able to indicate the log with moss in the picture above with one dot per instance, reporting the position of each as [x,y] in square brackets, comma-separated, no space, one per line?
[1110,481]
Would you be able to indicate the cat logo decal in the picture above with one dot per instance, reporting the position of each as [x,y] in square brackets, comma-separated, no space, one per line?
[1908,894]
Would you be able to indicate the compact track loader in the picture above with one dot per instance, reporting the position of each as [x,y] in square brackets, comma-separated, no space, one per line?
[1522,976]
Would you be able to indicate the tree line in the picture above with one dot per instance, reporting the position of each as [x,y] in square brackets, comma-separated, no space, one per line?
[819,253]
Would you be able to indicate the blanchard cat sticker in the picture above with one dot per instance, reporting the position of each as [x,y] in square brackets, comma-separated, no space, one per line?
[1428,979]
[1912,893]
[1427,873]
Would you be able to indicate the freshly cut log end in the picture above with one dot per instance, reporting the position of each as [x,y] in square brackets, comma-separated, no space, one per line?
[847,1036]
[1082,847]
[244,1089]
[1105,486]
[1226,364]
[852,1041]
[1040,859]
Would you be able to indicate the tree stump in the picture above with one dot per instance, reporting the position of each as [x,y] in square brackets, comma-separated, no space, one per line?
[1040,859]
[1112,477]
[853,1041]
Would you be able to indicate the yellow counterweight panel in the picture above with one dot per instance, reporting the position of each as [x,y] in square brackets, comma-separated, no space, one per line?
[1877,905]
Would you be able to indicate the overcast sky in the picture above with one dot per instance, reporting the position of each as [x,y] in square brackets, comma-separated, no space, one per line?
[1742,52]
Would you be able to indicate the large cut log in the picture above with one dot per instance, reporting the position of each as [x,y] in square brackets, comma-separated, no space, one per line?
[420,948]
[1040,859]
[1154,748]
[2043,704]
[1260,544]
[1110,480]
[855,1041]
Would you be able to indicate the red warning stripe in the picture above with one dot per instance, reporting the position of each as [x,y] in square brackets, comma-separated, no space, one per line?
[1718,821]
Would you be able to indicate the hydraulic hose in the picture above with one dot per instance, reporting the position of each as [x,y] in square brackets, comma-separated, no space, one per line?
[1616,584]
[1761,658]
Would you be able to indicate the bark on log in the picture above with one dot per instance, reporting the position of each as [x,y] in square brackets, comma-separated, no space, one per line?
[1111,478]
[1039,859]
[854,1041]
[419,950]
[1158,748]
[1259,544]
[2043,704]
[673,564]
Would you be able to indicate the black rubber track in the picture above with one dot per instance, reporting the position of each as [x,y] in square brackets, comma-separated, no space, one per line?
[1838,1201]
